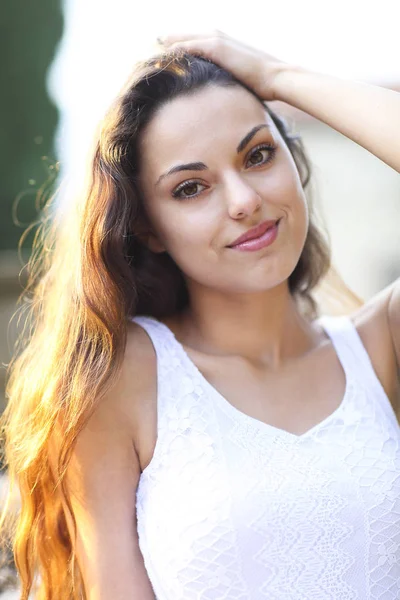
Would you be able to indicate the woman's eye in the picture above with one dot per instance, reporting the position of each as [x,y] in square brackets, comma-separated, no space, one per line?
[259,156]
[262,155]
[187,190]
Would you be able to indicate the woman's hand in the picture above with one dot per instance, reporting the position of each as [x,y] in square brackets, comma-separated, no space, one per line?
[367,114]
[257,69]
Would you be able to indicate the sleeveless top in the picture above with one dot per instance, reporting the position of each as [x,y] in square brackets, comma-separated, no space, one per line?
[231,508]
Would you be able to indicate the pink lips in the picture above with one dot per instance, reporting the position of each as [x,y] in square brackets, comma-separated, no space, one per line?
[257,237]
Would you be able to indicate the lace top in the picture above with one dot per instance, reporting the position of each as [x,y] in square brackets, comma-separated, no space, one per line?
[231,508]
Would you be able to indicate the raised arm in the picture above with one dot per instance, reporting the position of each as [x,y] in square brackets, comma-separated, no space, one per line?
[367,114]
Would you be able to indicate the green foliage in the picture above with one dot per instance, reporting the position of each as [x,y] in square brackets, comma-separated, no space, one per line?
[29,34]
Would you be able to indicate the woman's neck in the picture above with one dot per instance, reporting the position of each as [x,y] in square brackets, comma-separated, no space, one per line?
[267,327]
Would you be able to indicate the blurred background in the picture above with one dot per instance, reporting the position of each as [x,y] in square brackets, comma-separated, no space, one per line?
[63,62]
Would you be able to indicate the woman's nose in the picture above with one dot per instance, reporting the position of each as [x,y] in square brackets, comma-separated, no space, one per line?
[242,198]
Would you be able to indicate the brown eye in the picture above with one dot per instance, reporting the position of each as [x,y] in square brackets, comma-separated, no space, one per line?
[187,190]
[190,190]
[256,157]
[262,155]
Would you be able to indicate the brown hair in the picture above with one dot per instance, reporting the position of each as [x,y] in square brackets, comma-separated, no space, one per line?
[87,273]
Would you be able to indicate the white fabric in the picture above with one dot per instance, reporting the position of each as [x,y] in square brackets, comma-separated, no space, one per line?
[231,508]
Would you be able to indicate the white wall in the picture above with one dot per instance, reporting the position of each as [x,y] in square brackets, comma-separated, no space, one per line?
[360,198]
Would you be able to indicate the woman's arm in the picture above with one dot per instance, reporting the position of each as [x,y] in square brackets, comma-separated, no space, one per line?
[102,479]
[367,114]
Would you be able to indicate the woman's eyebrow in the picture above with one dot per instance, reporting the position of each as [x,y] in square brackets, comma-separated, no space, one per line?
[200,166]
[250,136]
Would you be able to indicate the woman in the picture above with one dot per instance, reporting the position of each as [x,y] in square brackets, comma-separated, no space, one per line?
[182,423]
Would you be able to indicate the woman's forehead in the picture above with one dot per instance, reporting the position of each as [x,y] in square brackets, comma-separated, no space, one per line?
[195,120]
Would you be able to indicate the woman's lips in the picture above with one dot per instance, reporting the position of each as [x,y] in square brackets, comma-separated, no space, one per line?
[254,232]
[265,239]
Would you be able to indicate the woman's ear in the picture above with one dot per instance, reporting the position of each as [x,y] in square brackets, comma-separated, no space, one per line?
[145,234]
[152,242]
[149,239]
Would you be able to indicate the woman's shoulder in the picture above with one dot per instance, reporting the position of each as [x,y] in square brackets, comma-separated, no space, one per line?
[134,393]
[138,344]
[372,325]
[139,367]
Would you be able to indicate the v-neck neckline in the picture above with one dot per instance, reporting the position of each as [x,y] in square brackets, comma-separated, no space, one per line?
[240,416]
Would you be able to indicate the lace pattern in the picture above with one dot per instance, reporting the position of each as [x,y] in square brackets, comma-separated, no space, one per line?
[230,509]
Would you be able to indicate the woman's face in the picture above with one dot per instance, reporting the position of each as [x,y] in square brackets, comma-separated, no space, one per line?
[196,213]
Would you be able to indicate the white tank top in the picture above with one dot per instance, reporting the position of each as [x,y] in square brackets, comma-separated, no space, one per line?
[231,508]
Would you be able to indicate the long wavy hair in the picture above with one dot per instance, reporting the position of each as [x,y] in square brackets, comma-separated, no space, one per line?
[88,272]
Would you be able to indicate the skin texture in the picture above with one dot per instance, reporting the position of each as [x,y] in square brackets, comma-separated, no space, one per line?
[240,302]
[243,330]
[367,114]
[344,105]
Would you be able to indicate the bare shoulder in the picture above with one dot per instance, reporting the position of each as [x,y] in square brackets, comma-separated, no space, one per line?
[139,364]
[376,324]
[137,385]
[132,394]
[103,476]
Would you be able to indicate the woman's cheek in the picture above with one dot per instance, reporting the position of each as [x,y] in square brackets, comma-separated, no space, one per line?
[190,229]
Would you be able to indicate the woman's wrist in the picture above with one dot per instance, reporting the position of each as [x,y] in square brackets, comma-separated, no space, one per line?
[283,82]
[365,113]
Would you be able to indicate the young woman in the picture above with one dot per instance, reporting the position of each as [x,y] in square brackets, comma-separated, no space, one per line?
[182,422]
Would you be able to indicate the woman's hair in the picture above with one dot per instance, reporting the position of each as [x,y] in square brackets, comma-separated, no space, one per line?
[88,272]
